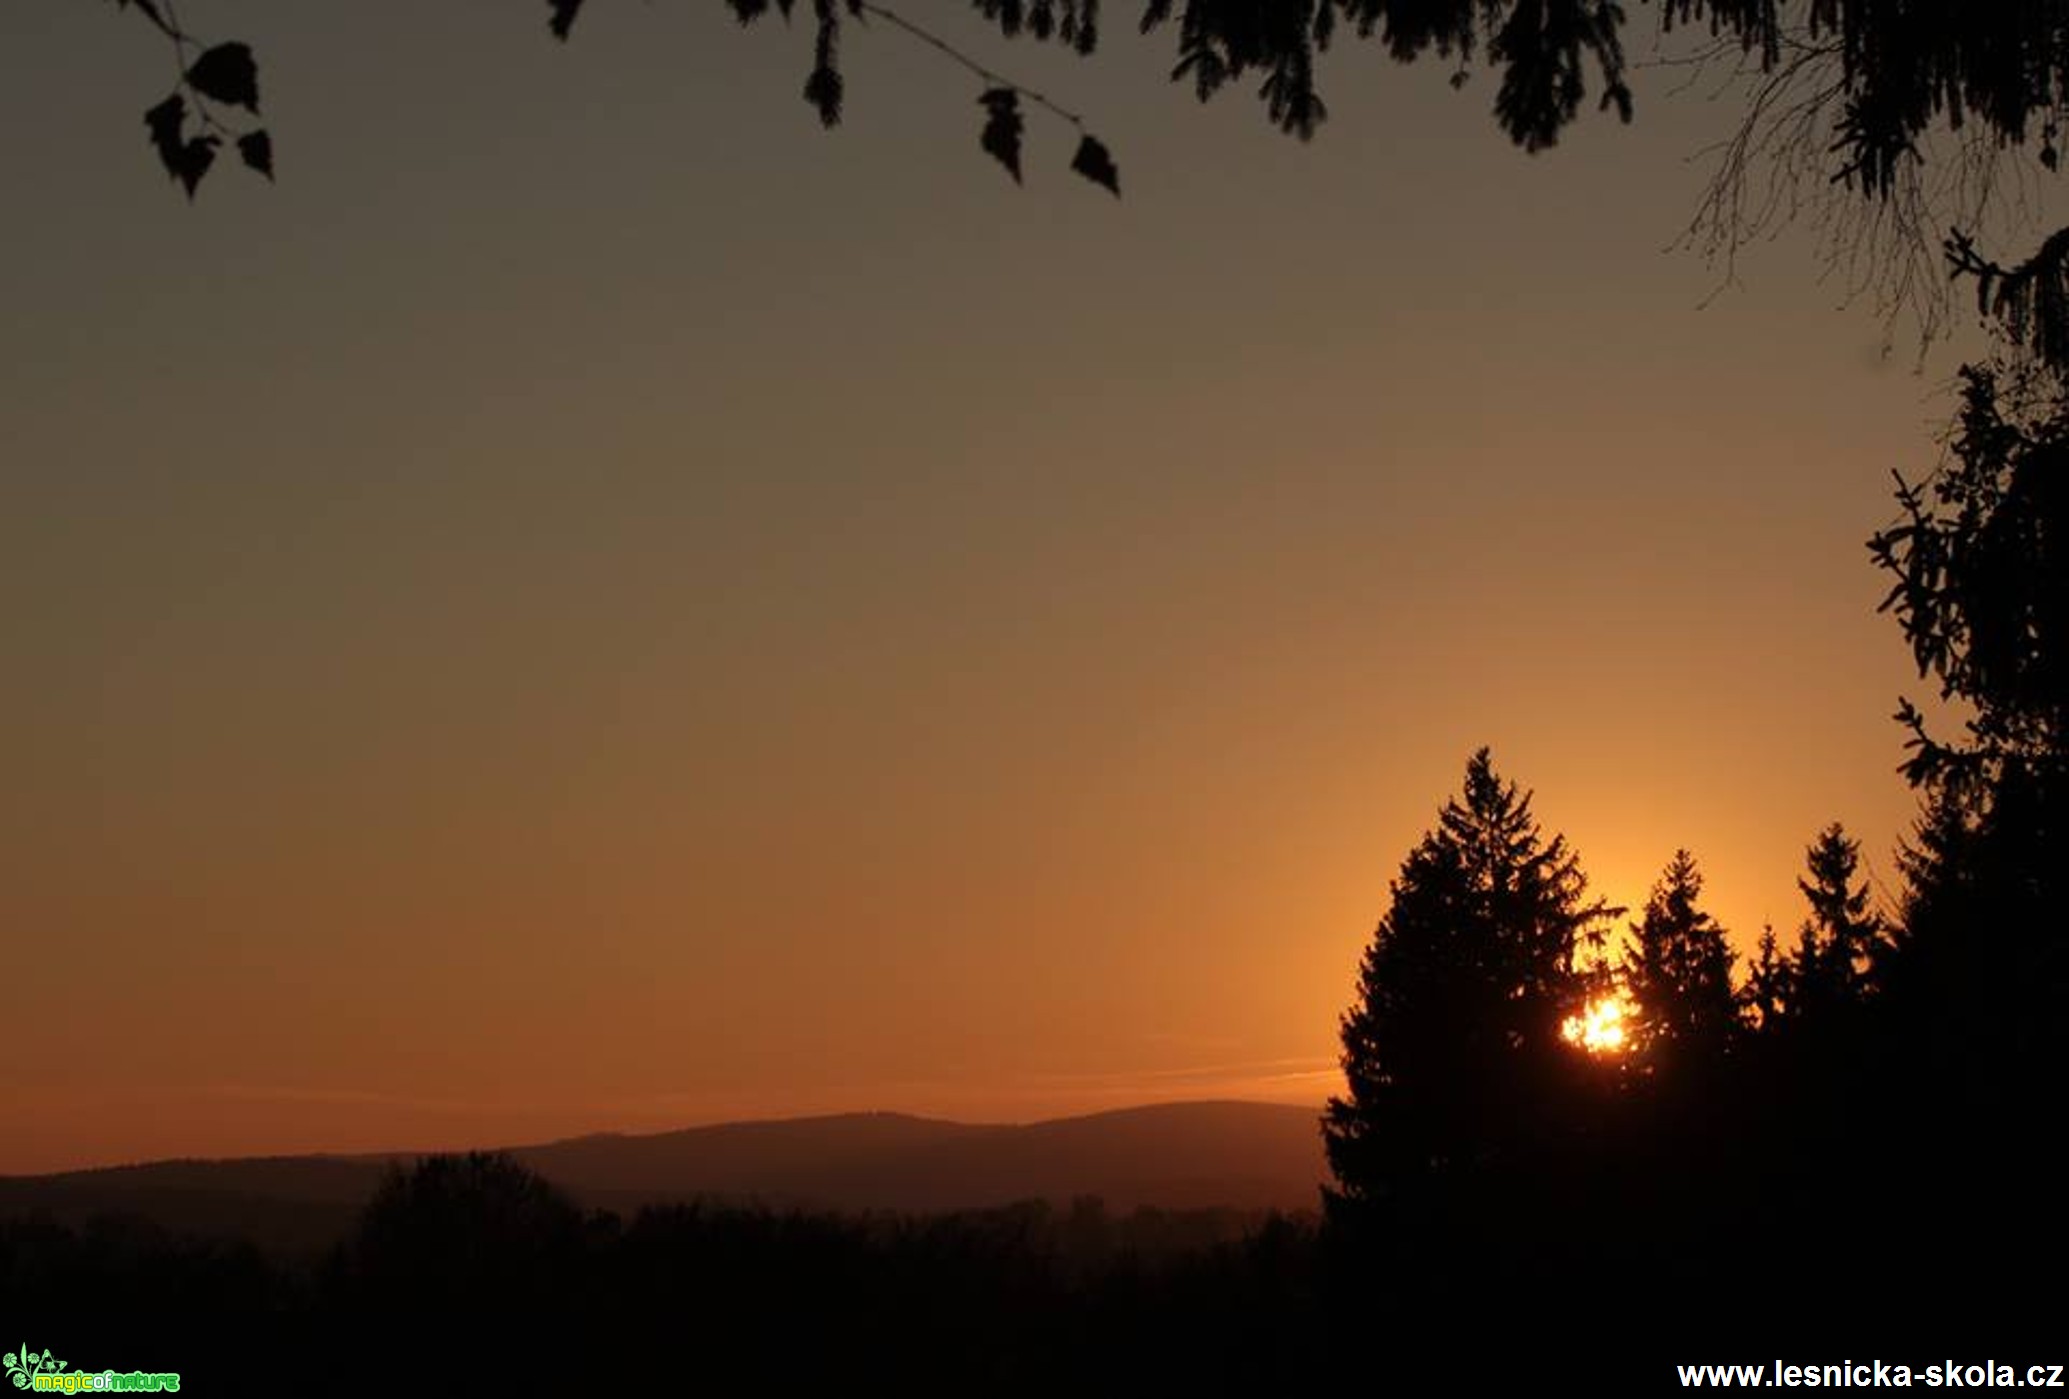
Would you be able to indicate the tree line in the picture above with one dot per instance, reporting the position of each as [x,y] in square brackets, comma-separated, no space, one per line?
[1859,1130]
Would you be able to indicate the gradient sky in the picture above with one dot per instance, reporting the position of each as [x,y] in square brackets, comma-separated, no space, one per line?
[597,604]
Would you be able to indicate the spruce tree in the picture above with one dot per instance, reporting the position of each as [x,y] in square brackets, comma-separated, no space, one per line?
[1678,971]
[1455,1030]
[1840,944]
[1769,994]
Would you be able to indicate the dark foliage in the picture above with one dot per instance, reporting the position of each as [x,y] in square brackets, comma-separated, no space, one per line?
[1840,943]
[1448,1046]
[1677,970]
[1979,970]
[1002,128]
[1809,1171]
[459,1231]
[1096,164]
[1981,565]
[1905,66]
[473,1265]
[1887,73]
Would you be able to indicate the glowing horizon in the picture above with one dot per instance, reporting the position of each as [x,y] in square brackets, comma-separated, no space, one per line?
[639,605]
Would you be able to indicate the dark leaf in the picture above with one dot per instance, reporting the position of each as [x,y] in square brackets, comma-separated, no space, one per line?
[167,120]
[1096,164]
[257,149]
[564,12]
[1088,27]
[823,90]
[195,158]
[184,159]
[227,74]
[1002,127]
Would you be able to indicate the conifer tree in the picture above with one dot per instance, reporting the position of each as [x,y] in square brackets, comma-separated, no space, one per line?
[1460,994]
[1841,942]
[1770,990]
[1678,971]
[1980,574]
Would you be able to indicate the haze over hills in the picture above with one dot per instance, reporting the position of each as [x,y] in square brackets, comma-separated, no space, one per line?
[1245,1156]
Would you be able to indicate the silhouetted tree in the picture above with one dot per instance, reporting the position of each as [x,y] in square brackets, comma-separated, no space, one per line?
[1770,990]
[1934,858]
[1982,575]
[1448,1046]
[1678,971]
[1838,946]
[472,1233]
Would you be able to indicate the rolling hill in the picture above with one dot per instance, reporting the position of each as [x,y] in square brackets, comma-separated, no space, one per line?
[1244,1156]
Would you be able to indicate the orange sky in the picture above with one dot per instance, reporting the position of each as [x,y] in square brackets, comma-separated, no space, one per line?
[594,604]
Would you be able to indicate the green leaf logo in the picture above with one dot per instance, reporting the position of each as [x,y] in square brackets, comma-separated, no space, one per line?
[24,1363]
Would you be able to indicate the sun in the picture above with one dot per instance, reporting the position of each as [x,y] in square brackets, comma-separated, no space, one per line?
[1600,1028]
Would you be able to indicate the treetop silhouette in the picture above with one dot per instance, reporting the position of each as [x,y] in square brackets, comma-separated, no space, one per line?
[1677,969]
[1460,995]
[1842,949]
[1839,944]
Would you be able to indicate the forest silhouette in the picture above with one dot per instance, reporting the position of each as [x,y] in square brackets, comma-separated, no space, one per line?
[1845,1146]
[1844,1149]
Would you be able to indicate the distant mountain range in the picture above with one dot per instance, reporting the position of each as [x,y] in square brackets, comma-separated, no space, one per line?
[1244,1156]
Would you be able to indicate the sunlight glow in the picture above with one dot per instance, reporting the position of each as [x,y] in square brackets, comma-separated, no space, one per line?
[1599,1028]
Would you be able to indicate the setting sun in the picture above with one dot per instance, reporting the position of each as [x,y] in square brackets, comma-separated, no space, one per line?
[1599,1028]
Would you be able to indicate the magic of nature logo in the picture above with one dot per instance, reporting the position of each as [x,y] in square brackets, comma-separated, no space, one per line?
[46,1374]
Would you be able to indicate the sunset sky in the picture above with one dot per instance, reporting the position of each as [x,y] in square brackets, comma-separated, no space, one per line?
[596,604]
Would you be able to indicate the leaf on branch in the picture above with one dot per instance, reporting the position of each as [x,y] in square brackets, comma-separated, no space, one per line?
[823,90]
[564,12]
[228,74]
[1096,164]
[199,154]
[185,159]
[1002,128]
[167,122]
[257,149]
